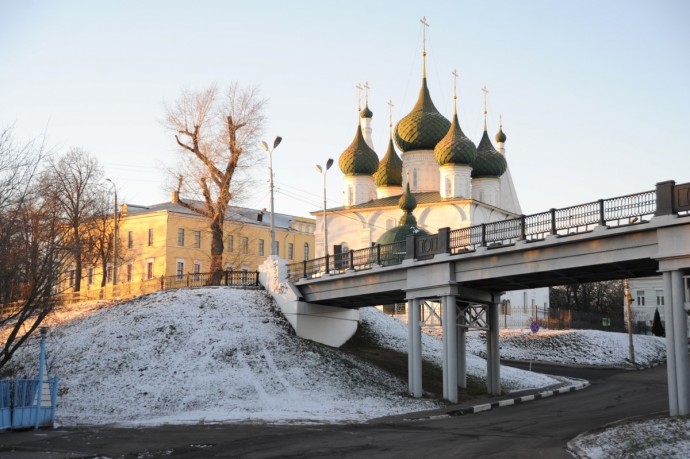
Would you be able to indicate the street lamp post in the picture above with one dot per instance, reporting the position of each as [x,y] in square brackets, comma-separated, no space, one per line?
[268,150]
[115,235]
[323,171]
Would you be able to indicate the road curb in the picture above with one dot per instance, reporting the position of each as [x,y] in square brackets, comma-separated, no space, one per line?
[518,400]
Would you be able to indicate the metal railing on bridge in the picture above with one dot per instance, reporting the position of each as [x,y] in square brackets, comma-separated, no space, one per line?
[632,209]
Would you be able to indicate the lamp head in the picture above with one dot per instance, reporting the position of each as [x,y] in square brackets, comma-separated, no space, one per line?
[264,146]
[277,141]
[329,163]
[318,169]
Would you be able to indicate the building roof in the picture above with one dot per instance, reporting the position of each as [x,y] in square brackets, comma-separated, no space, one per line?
[234,213]
[455,147]
[423,127]
[366,112]
[407,224]
[390,168]
[489,162]
[358,158]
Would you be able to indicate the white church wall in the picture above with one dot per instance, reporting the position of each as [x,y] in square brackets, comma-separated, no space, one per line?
[421,169]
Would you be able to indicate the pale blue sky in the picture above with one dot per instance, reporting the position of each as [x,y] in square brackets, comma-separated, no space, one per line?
[594,94]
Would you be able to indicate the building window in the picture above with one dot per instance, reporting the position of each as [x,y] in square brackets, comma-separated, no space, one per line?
[150,236]
[179,269]
[130,239]
[149,269]
[640,297]
[230,244]
[291,251]
[180,237]
[89,276]
[277,248]
[197,239]
[305,255]
[659,297]
[245,245]
[197,267]
[129,272]
[261,247]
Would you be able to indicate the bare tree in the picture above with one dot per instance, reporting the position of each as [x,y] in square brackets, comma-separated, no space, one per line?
[217,135]
[98,235]
[73,181]
[29,244]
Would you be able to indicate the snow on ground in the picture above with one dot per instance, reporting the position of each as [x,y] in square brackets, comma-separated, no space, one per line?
[392,333]
[667,438]
[207,355]
[574,347]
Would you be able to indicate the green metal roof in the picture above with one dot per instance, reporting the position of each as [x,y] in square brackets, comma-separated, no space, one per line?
[489,162]
[358,158]
[366,112]
[423,127]
[500,136]
[407,224]
[455,147]
[390,168]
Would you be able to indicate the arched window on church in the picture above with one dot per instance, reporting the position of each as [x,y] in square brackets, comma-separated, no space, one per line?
[390,223]
[306,251]
[350,196]
[414,179]
[449,189]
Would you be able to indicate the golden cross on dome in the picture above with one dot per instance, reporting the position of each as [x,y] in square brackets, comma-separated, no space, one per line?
[366,93]
[424,26]
[485,91]
[359,96]
[455,90]
[390,115]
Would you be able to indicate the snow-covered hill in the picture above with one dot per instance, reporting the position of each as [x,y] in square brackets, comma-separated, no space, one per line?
[221,355]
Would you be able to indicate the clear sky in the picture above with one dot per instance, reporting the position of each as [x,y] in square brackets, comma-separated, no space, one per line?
[594,94]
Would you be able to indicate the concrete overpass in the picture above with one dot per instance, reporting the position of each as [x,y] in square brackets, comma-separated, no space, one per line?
[467,270]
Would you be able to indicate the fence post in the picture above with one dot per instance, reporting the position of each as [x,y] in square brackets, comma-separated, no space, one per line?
[304,263]
[352,259]
[664,198]
[483,234]
[553,221]
[523,230]
[378,254]
[327,267]
[602,216]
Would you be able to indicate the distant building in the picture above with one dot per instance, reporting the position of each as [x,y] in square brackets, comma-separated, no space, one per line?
[454,183]
[648,295]
[167,239]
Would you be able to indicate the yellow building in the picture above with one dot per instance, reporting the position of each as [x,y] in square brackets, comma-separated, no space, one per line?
[167,239]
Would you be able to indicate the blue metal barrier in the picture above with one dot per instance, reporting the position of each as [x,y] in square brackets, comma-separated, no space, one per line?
[34,403]
[5,407]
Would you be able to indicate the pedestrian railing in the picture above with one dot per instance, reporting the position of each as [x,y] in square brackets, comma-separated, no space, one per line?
[32,403]
[668,198]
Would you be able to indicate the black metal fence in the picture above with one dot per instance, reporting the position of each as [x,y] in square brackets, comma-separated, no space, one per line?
[242,279]
[626,210]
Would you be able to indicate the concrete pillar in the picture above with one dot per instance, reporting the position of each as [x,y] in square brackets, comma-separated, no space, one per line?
[680,333]
[670,346]
[452,338]
[494,359]
[462,357]
[410,351]
[445,325]
[416,349]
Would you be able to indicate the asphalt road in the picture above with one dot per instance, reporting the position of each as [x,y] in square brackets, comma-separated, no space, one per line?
[538,429]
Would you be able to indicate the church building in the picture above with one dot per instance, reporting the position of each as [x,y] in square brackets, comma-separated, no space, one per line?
[454,182]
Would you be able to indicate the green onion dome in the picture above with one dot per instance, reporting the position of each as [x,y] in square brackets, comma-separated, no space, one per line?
[366,113]
[489,162]
[500,136]
[358,158]
[423,127]
[390,168]
[455,147]
[407,224]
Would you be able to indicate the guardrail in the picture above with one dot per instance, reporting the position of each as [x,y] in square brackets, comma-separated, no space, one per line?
[632,209]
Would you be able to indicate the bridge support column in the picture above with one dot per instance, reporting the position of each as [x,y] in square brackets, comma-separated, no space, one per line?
[493,361]
[678,362]
[462,351]
[414,348]
[450,348]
